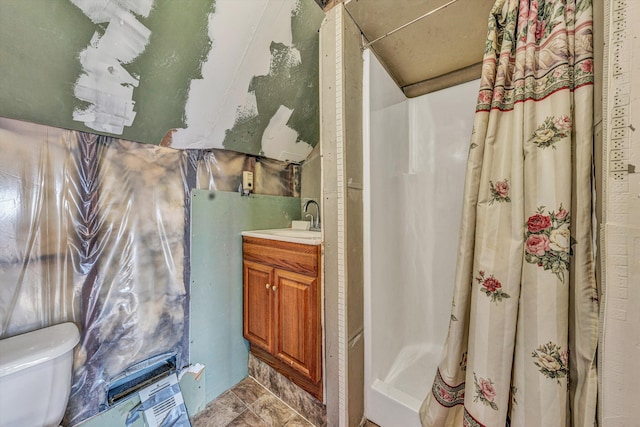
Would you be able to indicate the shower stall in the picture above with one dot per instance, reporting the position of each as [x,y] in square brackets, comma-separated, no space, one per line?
[415,153]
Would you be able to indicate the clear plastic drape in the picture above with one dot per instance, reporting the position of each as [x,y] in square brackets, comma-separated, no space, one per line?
[95,230]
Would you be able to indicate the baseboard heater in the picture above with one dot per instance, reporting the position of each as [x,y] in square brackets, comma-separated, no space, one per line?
[140,375]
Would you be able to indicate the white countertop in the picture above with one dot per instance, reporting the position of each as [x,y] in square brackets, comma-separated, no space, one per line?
[292,235]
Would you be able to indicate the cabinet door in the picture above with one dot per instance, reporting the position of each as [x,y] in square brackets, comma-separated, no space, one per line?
[297,324]
[258,307]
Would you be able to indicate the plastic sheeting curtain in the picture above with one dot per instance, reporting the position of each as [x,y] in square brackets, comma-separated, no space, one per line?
[94,230]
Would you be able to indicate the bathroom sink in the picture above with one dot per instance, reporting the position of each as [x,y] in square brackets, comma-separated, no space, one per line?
[292,235]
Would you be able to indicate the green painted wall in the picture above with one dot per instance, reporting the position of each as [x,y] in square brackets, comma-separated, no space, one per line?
[39,59]
[178,45]
[40,43]
[39,46]
[294,87]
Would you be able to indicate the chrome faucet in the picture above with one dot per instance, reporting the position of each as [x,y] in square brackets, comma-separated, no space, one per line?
[315,222]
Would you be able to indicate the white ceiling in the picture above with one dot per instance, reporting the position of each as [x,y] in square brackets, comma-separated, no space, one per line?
[440,50]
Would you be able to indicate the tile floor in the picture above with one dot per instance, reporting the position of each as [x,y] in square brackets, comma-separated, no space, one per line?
[248,404]
[301,401]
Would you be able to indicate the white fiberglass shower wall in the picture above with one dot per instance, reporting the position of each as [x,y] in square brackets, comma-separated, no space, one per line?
[415,153]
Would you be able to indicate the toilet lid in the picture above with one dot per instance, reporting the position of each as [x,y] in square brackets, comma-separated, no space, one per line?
[31,348]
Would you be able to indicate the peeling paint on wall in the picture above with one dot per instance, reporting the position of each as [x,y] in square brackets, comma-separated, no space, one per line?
[290,85]
[105,84]
[250,82]
[221,95]
[40,49]
[197,74]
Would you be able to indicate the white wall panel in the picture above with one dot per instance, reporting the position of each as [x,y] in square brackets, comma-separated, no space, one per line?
[620,345]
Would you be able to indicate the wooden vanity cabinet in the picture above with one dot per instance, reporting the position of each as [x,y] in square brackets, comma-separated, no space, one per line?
[282,320]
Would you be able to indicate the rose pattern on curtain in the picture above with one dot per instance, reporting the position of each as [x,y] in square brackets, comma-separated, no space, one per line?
[522,339]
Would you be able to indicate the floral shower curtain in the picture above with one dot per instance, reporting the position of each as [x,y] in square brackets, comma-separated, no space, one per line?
[522,339]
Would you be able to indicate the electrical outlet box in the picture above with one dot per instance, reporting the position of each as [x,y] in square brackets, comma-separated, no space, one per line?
[247,181]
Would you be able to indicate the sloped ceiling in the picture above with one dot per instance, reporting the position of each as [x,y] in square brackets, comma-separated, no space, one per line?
[235,74]
[440,50]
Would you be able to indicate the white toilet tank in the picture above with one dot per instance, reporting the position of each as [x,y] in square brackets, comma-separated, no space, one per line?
[35,376]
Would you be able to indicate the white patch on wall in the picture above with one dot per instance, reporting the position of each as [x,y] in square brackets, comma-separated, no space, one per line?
[105,84]
[222,95]
[279,140]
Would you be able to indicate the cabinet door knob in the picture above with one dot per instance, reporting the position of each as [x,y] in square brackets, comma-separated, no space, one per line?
[273,288]
[268,286]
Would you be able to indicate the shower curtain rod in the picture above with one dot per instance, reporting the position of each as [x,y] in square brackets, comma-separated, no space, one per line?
[437,9]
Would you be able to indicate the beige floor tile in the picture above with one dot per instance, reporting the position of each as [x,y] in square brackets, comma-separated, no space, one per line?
[220,412]
[249,390]
[298,421]
[247,419]
[272,410]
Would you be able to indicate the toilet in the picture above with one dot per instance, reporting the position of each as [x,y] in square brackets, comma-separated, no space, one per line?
[35,376]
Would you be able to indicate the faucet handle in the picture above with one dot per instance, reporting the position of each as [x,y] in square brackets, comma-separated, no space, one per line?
[313,220]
